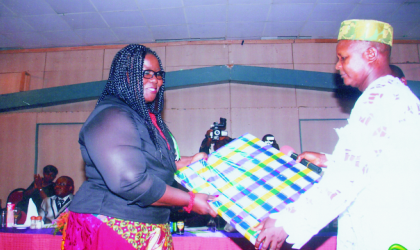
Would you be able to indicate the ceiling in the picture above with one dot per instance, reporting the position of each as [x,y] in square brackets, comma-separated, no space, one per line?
[64,23]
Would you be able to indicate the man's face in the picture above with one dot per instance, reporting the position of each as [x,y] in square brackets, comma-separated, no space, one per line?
[352,63]
[63,187]
[269,140]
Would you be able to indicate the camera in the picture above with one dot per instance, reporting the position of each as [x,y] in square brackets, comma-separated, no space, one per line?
[218,129]
[215,136]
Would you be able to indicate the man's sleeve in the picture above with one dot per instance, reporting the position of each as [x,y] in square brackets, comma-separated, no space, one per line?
[318,206]
[43,208]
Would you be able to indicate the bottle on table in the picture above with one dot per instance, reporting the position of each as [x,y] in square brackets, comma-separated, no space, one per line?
[180,225]
[3,218]
[15,216]
[10,215]
[212,225]
[38,224]
[33,222]
[178,221]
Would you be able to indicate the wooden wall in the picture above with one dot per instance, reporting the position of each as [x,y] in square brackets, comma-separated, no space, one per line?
[303,119]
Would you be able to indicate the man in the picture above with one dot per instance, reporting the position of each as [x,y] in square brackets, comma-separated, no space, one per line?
[53,206]
[397,72]
[371,180]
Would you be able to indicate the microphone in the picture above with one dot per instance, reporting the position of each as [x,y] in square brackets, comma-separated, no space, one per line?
[287,150]
[307,163]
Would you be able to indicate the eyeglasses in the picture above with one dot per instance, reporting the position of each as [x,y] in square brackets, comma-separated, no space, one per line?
[148,74]
[63,184]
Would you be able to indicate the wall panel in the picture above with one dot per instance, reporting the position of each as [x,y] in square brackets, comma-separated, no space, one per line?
[211,96]
[79,106]
[189,126]
[262,54]
[313,98]
[18,62]
[280,122]
[57,144]
[185,55]
[75,60]
[13,82]
[67,77]
[37,80]
[255,96]
[404,53]
[17,151]
[319,135]
[314,53]
[320,67]
[411,71]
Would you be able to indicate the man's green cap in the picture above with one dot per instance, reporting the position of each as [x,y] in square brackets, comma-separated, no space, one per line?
[366,30]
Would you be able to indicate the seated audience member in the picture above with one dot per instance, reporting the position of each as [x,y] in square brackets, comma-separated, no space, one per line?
[39,189]
[397,72]
[53,206]
[270,140]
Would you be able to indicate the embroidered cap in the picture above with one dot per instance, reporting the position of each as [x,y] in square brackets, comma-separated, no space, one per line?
[366,30]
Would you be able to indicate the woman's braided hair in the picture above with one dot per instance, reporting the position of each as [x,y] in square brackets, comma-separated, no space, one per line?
[126,83]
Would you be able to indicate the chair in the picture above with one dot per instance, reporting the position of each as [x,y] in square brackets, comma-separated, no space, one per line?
[14,197]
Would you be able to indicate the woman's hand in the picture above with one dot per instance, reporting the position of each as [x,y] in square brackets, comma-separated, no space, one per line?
[201,204]
[37,181]
[315,158]
[187,160]
[270,237]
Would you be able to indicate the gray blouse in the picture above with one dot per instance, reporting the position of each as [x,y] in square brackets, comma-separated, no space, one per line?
[125,172]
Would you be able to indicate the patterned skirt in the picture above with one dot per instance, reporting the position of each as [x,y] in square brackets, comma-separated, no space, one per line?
[91,232]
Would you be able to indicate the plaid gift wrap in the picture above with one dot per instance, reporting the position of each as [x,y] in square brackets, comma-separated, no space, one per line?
[253,180]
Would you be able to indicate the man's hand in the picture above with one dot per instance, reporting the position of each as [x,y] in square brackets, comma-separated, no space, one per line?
[315,158]
[270,237]
[187,160]
[199,156]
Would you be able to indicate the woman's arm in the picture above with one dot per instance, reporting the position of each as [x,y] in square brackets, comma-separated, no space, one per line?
[177,197]
[42,193]
[37,184]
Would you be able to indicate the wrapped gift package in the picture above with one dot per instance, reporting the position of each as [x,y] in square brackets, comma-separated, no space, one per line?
[252,179]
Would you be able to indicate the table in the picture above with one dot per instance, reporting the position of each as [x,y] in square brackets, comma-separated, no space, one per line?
[36,239]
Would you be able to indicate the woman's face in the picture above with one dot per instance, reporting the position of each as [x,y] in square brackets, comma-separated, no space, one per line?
[49,177]
[151,85]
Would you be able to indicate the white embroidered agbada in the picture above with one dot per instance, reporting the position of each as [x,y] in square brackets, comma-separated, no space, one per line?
[373,176]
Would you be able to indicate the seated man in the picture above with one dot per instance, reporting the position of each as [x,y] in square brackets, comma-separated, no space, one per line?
[53,206]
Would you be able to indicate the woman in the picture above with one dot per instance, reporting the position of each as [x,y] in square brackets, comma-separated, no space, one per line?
[40,188]
[130,158]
